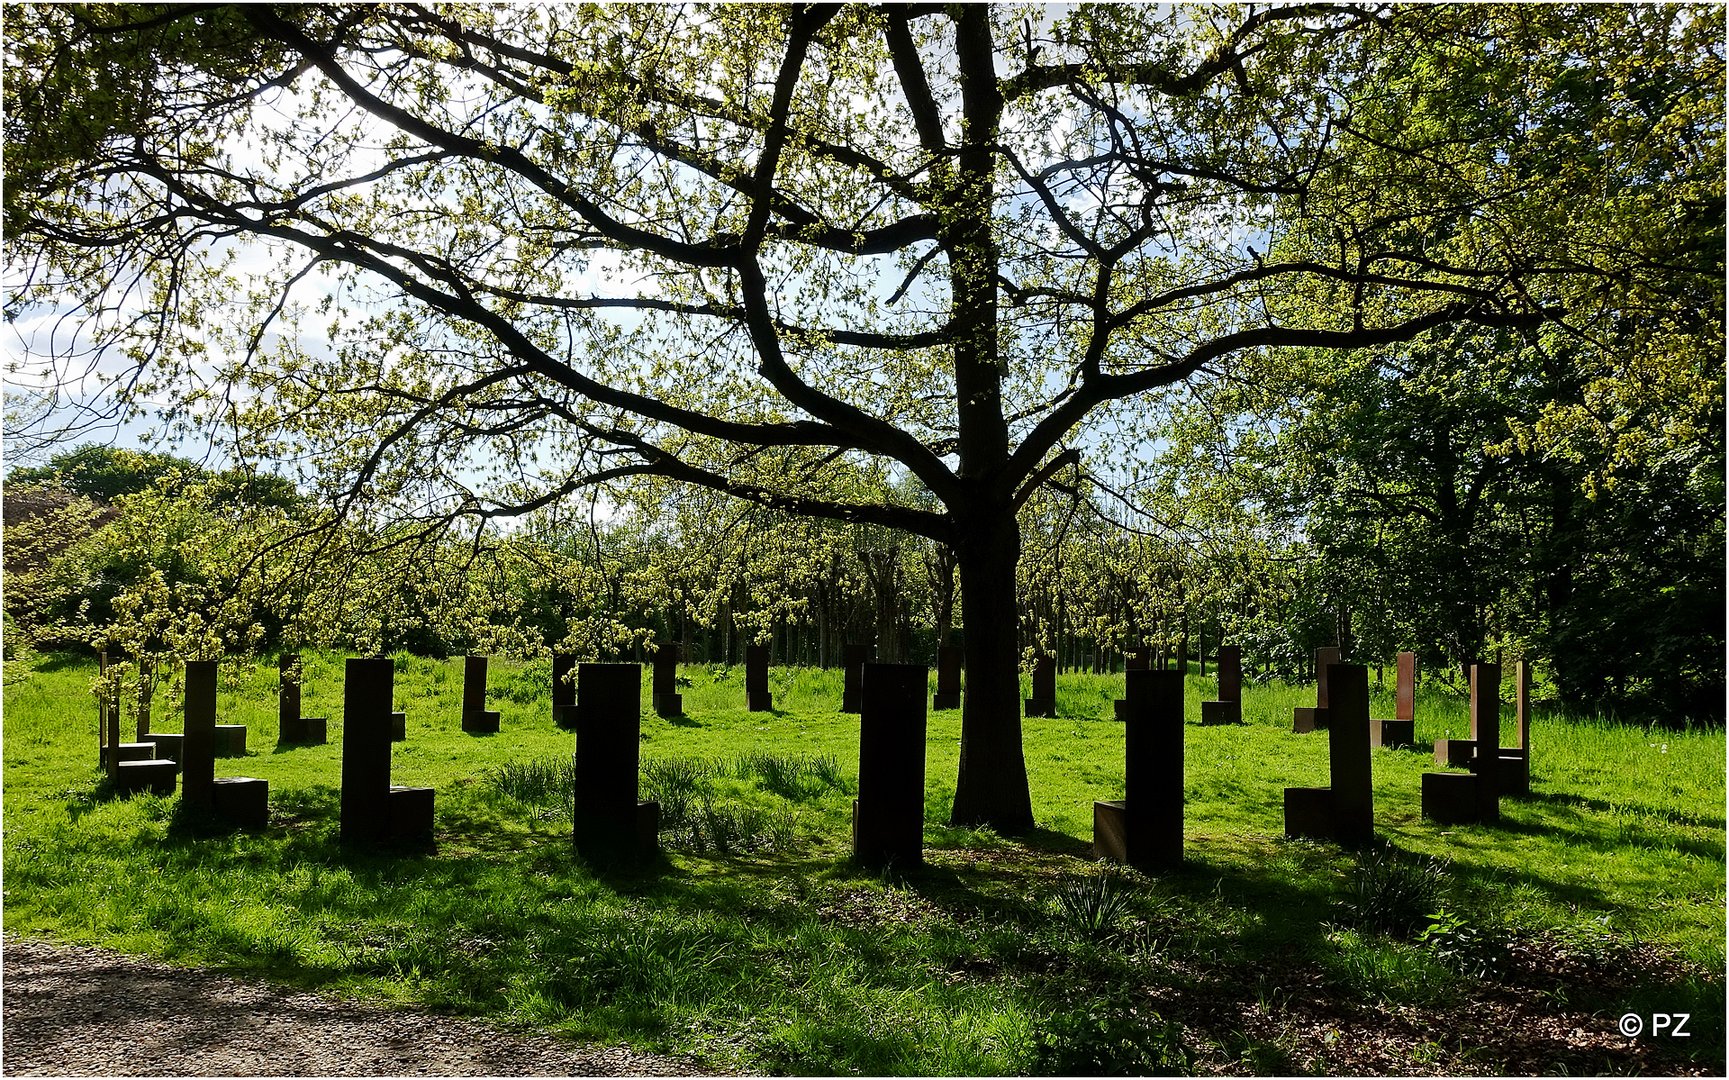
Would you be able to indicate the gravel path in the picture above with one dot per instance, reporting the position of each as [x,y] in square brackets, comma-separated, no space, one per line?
[73,1011]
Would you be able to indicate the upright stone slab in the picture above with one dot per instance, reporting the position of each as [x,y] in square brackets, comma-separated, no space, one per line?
[853,659]
[667,700]
[609,824]
[564,690]
[1348,753]
[1456,799]
[1229,708]
[1145,828]
[477,719]
[888,815]
[291,726]
[1044,700]
[1516,760]
[756,692]
[1401,731]
[948,695]
[198,747]
[1344,810]
[1315,719]
[367,689]
[1486,725]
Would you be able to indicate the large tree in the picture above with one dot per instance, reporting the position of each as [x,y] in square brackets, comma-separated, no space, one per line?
[504,253]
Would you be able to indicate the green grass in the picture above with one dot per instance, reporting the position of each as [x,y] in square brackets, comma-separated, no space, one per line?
[757,944]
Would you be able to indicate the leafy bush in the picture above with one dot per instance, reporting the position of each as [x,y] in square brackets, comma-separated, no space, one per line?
[1464,946]
[1110,1036]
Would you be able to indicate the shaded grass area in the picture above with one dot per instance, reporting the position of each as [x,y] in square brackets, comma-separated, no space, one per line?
[755,942]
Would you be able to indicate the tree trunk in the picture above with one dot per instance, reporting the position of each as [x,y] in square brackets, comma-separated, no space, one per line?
[991,788]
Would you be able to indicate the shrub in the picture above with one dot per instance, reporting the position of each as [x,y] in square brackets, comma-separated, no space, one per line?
[1392,892]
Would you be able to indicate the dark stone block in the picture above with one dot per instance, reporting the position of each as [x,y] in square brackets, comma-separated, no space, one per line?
[484,722]
[563,690]
[1486,729]
[1110,826]
[312,730]
[1348,754]
[1450,798]
[853,660]
[129,751]
[1044,700]
[1457,753]
[1309,813]
[1515,773]
[1153,768]
[888,816]
[366,722]
[1119,707]
[756,692]
[409,811]
[230,740]
[168,745]
[1393,734]
[398,727]
[1221,712]
[667,700]
[948,695]
[1405,693]
[606,823]
[473,685]
[243,800]
[199,747]
[153,775]
[1230,673]
[1305,720]
[287,691]
[1138,660]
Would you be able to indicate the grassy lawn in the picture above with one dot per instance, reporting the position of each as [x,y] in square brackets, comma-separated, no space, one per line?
[755,944]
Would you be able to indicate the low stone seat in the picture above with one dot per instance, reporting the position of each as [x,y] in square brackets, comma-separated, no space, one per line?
[1318,717]
[1393,734]
[398,727]
[564,717]
[128,751]
[230,740]
[1305,720]
[169,745]
[304,730]
[1450,798]
[1515,774]
[1309,812]
[1111,829]
[243,800]
[482,722]
[410,810]
[1221,712]
[1455,753]
[155,775]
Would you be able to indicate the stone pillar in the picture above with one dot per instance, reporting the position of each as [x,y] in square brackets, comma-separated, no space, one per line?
[1145,829]
[1348,753]
[198,750]
[756,692]
[948,696]
[1229,708]
[1486,731]
[888,815]
[853,660]
[367,689]
[1522,702]
[1044,700]
[1315,719]
[609,824]
[287,694]
[667,700]
[1401,731]
[477,719]
[563,690]
[107,720]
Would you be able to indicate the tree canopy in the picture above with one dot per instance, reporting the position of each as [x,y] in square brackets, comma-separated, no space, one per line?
[901,265]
